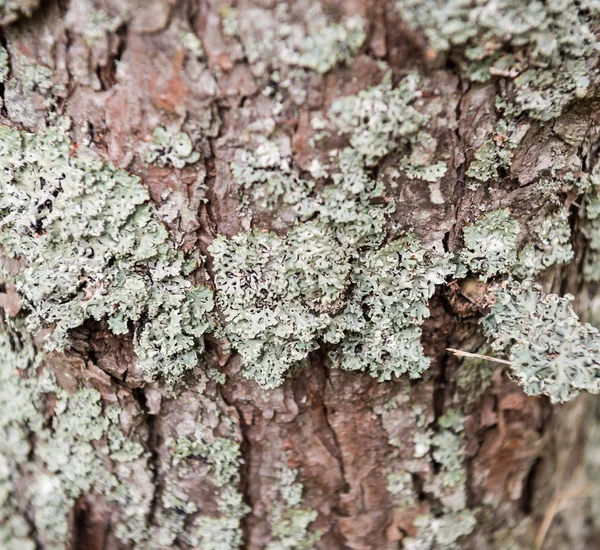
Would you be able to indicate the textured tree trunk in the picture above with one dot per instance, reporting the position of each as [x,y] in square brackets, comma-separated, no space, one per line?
[459,457]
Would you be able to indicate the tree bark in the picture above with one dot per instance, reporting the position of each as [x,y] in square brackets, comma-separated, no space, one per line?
[331,459]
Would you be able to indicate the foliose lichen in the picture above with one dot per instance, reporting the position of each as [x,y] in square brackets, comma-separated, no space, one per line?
[452,519]
[591,269]
[289,520]
[329,45]
[167,148]
[388,303]
[281,295]
[495,153]
[491,244]
[224,531]
[550,350]
[542,49]
[553,246]
[18,417]
[269,179]
[383,119]
[64,460]
[94,248]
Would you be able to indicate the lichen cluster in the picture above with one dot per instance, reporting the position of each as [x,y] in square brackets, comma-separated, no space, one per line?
[551,247]
[282,295]
[289,520]
[491,244]
[495,153]
[64,459]
[171,149]
[451,520]
[551,351]
[384,119]
[95,249]
[276,40]
[224,456]
[329,45]
[541,49]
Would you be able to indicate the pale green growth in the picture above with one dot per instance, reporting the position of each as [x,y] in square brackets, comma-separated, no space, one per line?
[541,47]
[400,486]
[422,443]
[446,446]
[550,350]
[495,153]
[95,249]
[222,454]
[289,521]
[281,295]
[99,24]
[171,149]
[224,532]
[192,44]
[172,518]
[19,415]
[491,244]
[328,46]
[592,463]
[474,376]
[229,21]
[72,461]
[268,178]
[432,172]
[381,119]
[39,78]
[488,158]
[441,531]
[119,448]
[553,246]
[261,288]
[62,461]
[11,10]
[388,303]
[276,293]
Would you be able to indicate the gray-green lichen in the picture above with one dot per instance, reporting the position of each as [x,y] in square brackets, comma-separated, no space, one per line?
[289,520]
[329,45]
[222,454]
[224,531]
[4,65]
[553,246]
[94,248]
[452,519]
[11,10]
[495,153]
[292,39]
[542,48]
[63,459]
[175,149]
[491,244]
[269,179]
[440,531]
[383,119]
[389,301]
[550,350]
[18,416]
[281,295]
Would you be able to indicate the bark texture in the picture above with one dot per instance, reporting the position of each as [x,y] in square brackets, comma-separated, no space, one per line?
[350,446]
